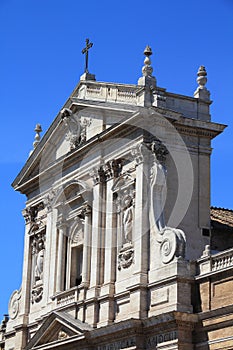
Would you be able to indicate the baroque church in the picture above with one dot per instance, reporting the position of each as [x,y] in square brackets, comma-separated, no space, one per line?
[121,248]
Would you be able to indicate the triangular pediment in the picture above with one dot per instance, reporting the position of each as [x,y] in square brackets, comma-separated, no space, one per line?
[57,327]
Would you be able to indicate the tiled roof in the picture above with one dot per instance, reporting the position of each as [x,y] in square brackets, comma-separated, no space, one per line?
[222,215]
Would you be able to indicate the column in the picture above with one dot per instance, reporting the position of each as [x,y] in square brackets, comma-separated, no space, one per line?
[60,257]
[138,287]
[92,309]
[107,310]
[86,246]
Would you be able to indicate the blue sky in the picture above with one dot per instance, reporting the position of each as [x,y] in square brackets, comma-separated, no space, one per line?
[41,62]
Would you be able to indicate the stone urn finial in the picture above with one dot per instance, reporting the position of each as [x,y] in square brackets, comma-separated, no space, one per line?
[201,91]
[147,70]
[201,77]
[38,130]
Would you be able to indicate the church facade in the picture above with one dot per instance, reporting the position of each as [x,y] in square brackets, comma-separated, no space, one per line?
[117,251]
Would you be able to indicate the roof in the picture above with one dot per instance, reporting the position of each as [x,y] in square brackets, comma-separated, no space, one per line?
[222,216]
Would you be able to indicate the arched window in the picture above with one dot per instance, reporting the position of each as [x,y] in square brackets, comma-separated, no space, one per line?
[75,255]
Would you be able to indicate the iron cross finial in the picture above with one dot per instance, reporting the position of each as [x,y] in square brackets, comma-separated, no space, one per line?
[85,50]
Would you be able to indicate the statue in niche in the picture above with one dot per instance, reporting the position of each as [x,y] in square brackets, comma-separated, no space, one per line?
[127,219]
[39,262]
[38,251]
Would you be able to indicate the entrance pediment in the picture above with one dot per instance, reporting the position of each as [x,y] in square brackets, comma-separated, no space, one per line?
[57,327]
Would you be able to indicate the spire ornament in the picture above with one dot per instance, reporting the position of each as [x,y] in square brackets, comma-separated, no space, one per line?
[202,91]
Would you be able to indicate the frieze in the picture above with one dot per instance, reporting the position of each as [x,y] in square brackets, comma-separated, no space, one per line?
[67,299]
[153,341]
[118,345]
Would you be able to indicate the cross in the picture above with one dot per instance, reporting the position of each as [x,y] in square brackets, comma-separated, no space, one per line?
[85,50]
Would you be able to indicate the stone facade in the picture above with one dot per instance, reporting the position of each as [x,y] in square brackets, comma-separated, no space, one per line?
[116,221]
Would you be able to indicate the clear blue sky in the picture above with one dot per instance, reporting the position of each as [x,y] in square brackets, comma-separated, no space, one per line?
[41,62]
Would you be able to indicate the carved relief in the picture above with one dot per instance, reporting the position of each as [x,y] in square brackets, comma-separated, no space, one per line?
[76,134]
[14,304]
[125,256]
[37,293]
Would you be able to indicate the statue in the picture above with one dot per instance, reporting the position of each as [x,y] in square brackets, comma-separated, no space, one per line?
[127,219]
[39,262]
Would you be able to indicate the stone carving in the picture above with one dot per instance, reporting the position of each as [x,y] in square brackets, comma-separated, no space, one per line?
[38,251]
[112,168]
[49,199]
[76,134]
[125,210]
[137,154]
[124,194]
[98,175]
[62,335]
[159,150]
[37,293]
[38,248]
[13,307]
[126,256]
[158,187]
[31,213]
[127,218]
[87,209]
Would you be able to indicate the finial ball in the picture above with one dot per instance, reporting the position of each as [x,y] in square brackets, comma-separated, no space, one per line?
[148,51]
